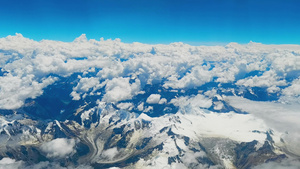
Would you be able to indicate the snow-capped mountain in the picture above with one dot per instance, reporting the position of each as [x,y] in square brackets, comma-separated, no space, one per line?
[108,104]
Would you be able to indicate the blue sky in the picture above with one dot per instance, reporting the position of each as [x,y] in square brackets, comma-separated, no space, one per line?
[155,21]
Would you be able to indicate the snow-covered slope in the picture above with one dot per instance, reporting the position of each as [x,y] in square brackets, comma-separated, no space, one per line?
[102,104]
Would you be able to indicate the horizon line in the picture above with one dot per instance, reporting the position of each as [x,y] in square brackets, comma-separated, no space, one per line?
[191,43]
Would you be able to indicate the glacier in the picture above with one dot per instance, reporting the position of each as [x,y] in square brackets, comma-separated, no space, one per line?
[109,104]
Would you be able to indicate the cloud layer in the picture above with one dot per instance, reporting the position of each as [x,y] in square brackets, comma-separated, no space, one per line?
[28,67]
[280,117]
[237,92]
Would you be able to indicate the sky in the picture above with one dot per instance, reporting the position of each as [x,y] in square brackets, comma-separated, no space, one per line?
[195,22]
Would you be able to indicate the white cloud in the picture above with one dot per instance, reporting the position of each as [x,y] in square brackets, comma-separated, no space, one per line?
[110,153]
[197,77]
[280,117]
[59,147]
[268,79]
[86,85]
[119,89]
[294,89]
[141,106]
[14,89]
[148,109]
[218,105]
[162,101]
[191,157]
[75,95]
[197,101]
[183,66]
[286,164]
[153,99]
[291,94]
[125,106]
[8,163]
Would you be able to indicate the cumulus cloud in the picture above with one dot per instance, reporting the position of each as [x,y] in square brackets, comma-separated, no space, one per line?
[294,89]
[28,65]
[153,99]
[86,85]
[268,79]
[197,101]
[291,94]
[140,107]
[197,77]
[162,101]
[125,106]
[60,147]
[121,89]
[15,90]
[8,163]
